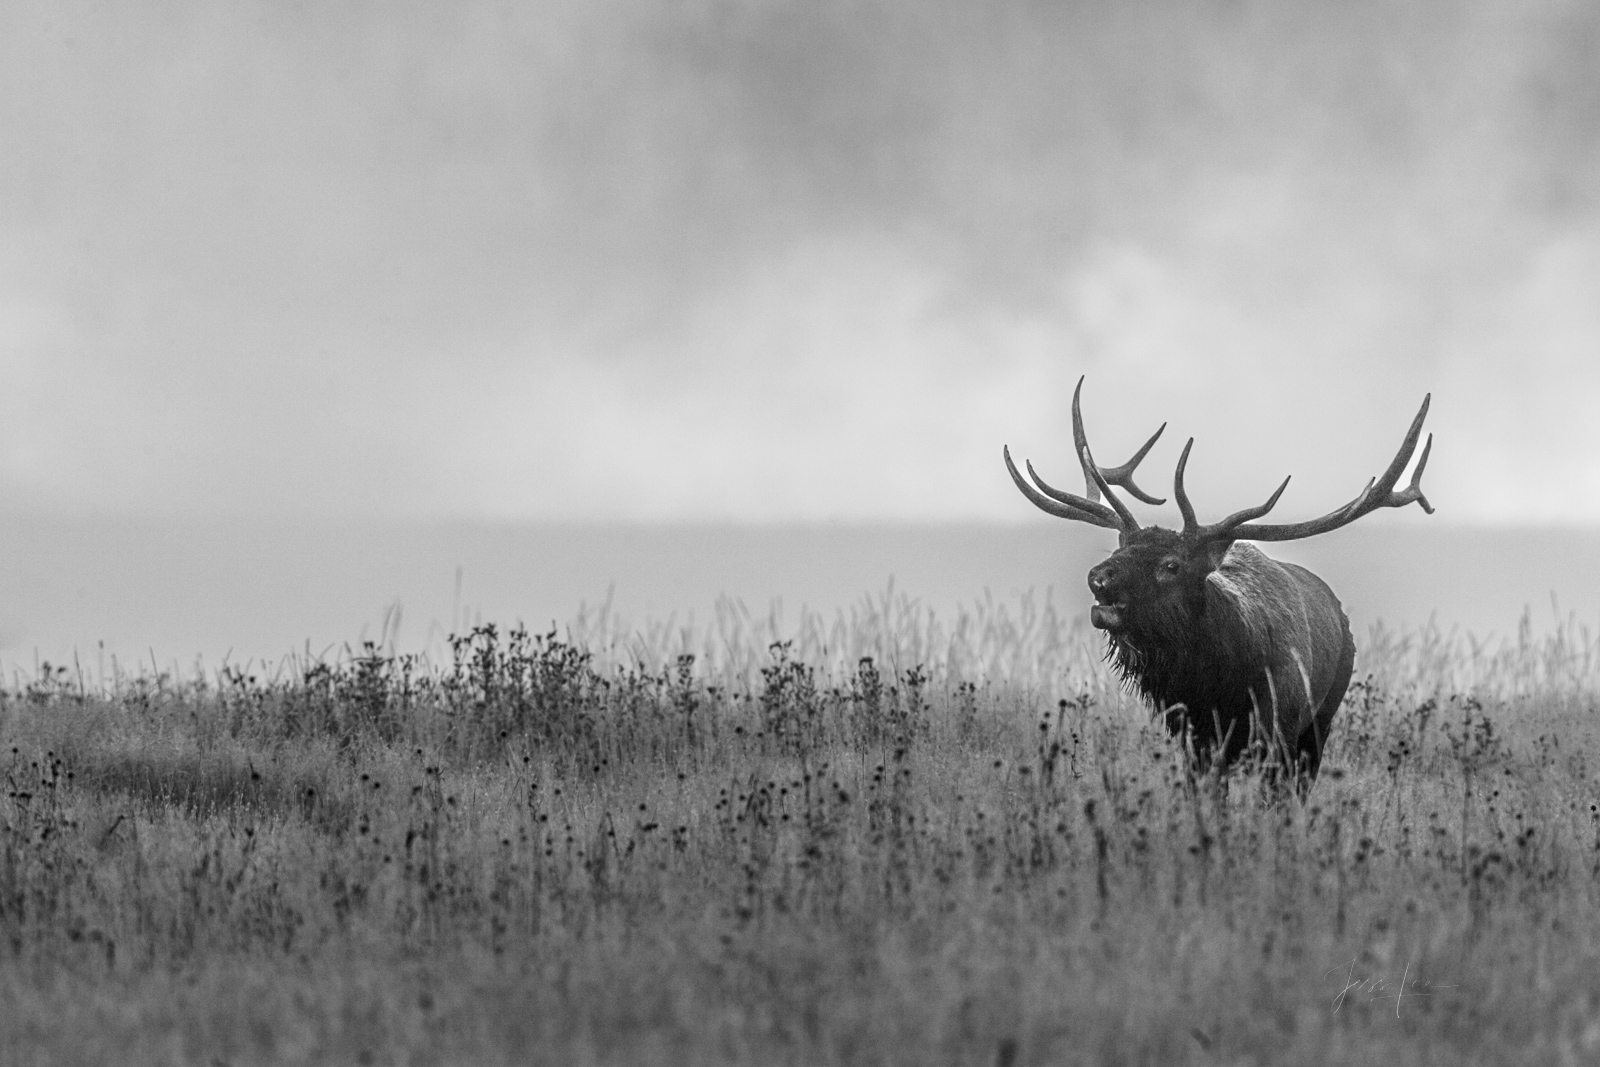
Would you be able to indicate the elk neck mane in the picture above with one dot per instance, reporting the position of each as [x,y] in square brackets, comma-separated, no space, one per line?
[1205,660]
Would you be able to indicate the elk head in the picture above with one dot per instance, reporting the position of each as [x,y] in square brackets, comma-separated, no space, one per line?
[1150,592]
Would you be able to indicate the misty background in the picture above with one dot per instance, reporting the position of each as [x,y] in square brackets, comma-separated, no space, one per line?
[304,307]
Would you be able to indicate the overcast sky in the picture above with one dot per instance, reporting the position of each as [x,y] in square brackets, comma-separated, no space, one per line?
[769,261]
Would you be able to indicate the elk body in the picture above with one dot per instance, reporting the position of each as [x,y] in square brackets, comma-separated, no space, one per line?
[1236,651]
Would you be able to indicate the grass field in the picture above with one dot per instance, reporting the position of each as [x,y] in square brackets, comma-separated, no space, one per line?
[890,839]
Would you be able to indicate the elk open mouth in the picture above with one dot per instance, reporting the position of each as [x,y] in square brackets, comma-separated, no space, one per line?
[1107,617]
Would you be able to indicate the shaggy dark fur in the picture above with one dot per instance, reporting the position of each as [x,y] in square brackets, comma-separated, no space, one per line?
[1233,648]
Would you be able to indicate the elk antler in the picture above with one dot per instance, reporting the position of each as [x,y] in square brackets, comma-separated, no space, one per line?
[1120,476]
[1096,479]
[1379,493]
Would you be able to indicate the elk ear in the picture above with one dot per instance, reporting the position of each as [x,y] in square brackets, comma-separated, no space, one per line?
[1215,552]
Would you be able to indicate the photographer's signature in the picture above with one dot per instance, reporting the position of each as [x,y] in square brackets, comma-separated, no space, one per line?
[1375,987]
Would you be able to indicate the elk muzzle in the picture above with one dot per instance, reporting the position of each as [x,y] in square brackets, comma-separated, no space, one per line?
[1109,610]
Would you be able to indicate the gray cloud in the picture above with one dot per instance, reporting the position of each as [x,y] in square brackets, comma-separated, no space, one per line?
[771,260]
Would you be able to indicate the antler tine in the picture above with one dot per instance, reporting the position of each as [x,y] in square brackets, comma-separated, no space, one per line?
[1101,513]
[1379,493]
[1216,531]
[1387,479]
[1119,476]
[1062,505]
[1080,443]
[1123,475]
[1414,490]
[1238,518]
[1190,524]
[1092,472]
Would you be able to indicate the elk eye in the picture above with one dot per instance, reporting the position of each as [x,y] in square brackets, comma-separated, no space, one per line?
[1170,566]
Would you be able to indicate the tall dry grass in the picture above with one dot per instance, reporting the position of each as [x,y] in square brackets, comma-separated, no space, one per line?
[880,838]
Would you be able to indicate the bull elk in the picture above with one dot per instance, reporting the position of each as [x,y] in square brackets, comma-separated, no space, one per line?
[1236,651]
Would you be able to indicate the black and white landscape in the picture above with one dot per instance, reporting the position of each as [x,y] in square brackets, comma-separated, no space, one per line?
[508,556]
